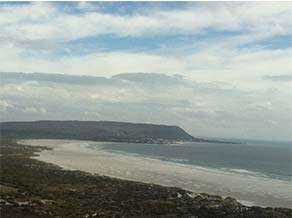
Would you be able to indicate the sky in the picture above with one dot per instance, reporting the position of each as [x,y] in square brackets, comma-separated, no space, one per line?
[216,69]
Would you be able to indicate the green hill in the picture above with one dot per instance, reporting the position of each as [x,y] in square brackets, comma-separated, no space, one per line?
[96,131]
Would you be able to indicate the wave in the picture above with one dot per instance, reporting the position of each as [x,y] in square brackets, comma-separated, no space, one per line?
[244,171]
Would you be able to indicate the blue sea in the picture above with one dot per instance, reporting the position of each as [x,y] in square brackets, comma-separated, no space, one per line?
[258,158]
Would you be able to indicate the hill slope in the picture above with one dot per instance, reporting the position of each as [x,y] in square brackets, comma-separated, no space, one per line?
[96,130]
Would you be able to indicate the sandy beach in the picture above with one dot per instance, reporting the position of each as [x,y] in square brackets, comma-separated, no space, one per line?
[250,190]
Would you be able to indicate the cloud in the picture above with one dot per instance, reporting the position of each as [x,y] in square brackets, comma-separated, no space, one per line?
[202,108]
[39,21]
[12,77]
[279,78]
[214,62]
[103,63]
[5,105]
[151,79]
[34,38]
[204,66]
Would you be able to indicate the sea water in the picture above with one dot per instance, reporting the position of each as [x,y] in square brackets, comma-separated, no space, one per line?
[258,158]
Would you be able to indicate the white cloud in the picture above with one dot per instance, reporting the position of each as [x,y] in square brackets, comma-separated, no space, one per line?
[208,109]
[87,6]
[241,67]
[31,33]
[4,105]
[27,13]
[46,21]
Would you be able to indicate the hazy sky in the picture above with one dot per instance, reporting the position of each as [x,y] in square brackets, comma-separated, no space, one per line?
[215,69]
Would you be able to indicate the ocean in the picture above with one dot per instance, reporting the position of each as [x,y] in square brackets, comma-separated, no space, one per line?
[255,173]
[257,158]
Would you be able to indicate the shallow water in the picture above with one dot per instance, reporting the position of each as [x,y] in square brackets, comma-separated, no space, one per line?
[259,158]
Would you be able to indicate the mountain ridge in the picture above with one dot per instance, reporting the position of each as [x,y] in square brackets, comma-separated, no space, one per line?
[96,131]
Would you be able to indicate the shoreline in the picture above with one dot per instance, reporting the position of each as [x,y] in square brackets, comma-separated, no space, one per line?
[249,190]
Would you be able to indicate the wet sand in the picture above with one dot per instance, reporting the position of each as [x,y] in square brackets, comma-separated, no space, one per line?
[250,190]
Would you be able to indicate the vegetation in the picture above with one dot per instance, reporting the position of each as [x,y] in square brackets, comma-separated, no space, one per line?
[96,131]
[31,188]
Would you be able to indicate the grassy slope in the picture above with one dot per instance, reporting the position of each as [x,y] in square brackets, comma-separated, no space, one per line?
[94,130]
